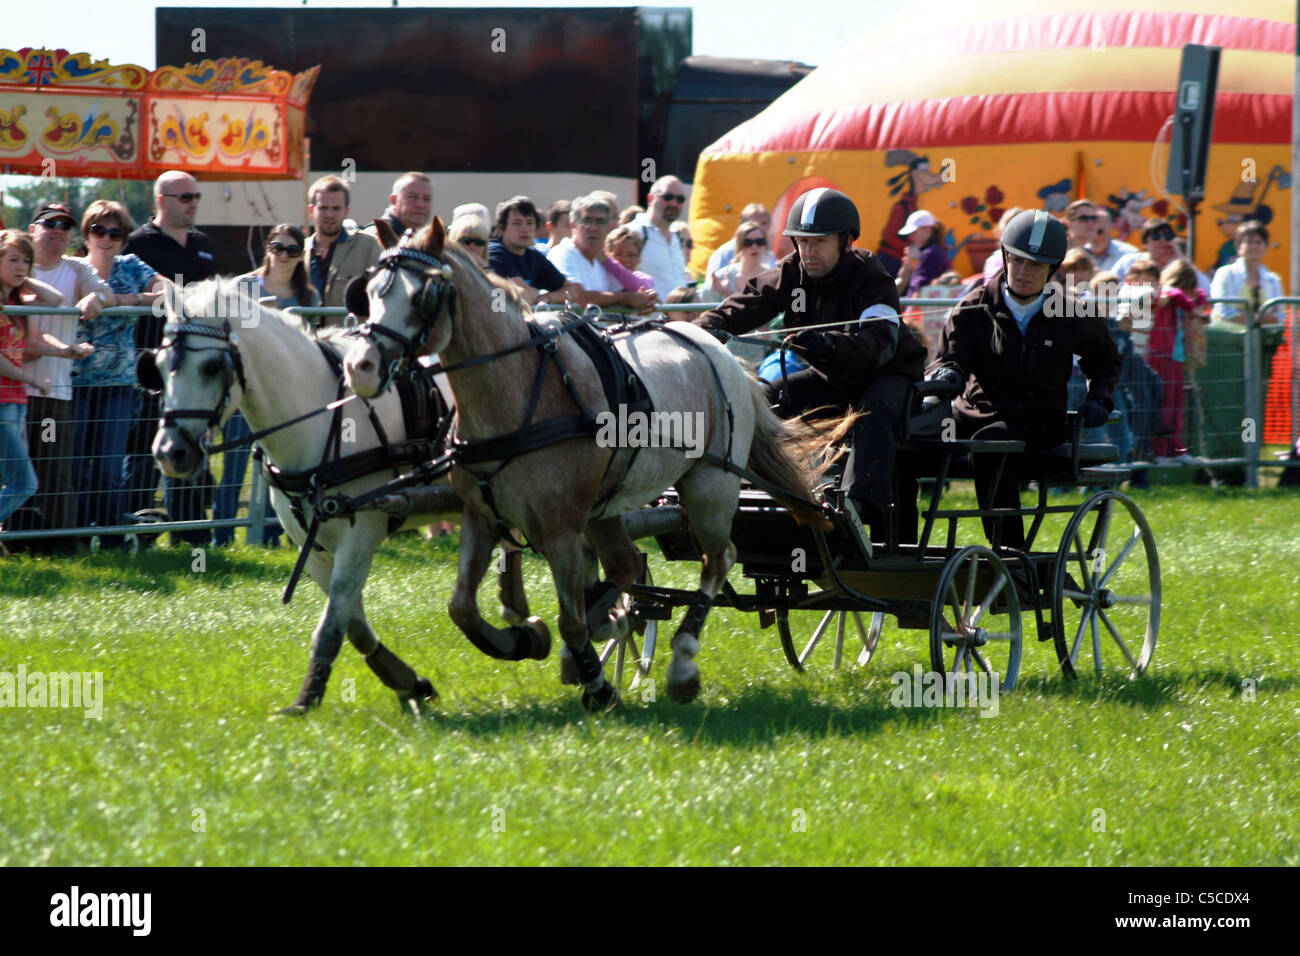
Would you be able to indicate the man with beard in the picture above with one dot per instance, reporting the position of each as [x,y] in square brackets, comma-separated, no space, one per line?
[663,257]
[337,255]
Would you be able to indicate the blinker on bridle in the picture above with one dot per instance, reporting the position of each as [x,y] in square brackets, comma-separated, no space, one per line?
[435,278]
[232,371]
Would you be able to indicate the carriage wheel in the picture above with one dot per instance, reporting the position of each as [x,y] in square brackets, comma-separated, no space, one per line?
[975,618]
[640,659]
[1107,584]
[869,634]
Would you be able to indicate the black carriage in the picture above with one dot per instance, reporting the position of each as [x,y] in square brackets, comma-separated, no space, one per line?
[1098,585]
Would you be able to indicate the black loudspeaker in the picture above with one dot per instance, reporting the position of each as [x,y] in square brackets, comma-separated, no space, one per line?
[1189,145]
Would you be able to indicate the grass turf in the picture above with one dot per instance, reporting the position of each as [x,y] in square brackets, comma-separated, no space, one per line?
[1189,764]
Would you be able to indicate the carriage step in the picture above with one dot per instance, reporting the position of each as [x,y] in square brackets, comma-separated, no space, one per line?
[650,611]
[1046,631]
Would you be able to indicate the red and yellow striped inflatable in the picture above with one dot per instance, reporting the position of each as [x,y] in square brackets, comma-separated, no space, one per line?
[966,109]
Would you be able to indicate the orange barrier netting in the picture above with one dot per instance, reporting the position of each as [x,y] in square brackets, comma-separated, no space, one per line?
[1277,406]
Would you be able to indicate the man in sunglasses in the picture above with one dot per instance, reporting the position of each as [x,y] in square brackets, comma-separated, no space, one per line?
[50,426]
[1161,244]
[663,258]
[170,245]
[515,256]
[1103,247]
[336,255]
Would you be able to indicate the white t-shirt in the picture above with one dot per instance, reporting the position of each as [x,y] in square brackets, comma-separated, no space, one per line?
[68,276]
[662,259]
[592,276]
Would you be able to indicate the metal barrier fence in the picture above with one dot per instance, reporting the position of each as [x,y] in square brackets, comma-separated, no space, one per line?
[90,446]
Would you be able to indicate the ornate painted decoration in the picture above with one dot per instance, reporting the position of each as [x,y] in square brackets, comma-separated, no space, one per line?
[235,118]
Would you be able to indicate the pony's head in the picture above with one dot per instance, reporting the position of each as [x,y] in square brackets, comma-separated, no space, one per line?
[408,300]
[197,369]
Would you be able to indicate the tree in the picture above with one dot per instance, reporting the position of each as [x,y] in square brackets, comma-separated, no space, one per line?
[135,194]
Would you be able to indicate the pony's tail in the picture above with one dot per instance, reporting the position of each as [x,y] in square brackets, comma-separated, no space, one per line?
[780,453]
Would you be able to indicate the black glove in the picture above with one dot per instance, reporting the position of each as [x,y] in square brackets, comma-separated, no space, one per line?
[722,335]
[810,344]
[947,374]
[1094,414]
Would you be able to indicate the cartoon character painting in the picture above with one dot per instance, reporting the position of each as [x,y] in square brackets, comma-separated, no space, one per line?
[907,186]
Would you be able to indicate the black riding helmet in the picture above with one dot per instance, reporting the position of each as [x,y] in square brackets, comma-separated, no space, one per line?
[1037,235]
[822,212]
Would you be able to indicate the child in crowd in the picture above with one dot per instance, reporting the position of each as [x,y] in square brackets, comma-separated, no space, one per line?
[1137,300]
[19,341]
[1177,322]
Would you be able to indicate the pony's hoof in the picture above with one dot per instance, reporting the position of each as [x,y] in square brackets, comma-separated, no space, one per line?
[607,698]
[686,691]
[568,671]
[540,635]
[296,710]
[422,693]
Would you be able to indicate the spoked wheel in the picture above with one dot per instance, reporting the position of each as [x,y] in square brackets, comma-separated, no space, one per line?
[624,650]
[975,618]
[820,622]
[1107,584]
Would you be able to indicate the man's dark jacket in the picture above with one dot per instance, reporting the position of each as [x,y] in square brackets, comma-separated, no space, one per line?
[1026,382]
[857,352]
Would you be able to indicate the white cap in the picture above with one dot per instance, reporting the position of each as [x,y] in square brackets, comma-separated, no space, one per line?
[916,221]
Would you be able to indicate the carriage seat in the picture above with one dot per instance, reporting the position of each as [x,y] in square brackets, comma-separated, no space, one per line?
[1065,463]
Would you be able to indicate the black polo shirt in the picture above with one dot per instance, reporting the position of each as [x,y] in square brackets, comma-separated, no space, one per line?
[192,262]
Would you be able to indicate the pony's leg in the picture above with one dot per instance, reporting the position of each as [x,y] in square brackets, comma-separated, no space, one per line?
[412,690]
[341,577]
[320,564]
[709,496]
[510,585]
[622,563]
[530,639]
[564,553]
[598,600]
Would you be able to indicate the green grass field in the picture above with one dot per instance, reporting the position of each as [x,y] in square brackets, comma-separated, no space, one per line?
[1184,766]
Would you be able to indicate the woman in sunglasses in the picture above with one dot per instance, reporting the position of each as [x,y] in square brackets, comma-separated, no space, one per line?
[471,231]
[283,276]
[751,249]
[283,272]
[103,384]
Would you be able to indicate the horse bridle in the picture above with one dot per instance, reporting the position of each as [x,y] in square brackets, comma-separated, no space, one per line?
[435,287]
[232,371]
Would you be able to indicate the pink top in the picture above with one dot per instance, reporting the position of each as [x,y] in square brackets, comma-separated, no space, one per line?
[631,281]
[12,391]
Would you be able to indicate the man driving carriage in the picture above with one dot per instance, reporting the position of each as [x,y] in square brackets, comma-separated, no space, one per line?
[1009,345]
[861,357]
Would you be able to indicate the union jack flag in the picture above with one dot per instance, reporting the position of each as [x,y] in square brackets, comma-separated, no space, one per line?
[40,69]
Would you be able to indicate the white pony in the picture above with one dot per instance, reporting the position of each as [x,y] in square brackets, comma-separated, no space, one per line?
[223,351]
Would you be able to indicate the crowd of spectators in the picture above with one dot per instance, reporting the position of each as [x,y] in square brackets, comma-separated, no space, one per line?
[76,431]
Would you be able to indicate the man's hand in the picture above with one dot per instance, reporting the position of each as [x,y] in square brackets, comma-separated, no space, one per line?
[643,302]
[809,344]
[948,374]
[1094,414]
[79,351]
[526,292]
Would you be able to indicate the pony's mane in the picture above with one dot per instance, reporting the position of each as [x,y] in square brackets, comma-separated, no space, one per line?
[222,298]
